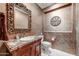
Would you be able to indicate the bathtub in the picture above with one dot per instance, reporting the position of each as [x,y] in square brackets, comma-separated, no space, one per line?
[55,52]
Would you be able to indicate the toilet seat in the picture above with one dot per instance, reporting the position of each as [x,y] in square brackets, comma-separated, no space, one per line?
[46,44]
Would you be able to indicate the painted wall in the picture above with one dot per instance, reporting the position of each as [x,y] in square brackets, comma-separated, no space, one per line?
[77,27]
[65,39]
[36,17]
[2,7]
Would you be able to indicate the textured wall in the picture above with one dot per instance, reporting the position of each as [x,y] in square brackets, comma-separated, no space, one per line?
[66,24]
[65,39]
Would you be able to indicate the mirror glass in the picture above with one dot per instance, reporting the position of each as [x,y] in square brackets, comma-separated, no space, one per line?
[21,19]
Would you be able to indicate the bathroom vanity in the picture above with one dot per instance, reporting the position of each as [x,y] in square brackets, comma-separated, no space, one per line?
[25,48]
[19,23]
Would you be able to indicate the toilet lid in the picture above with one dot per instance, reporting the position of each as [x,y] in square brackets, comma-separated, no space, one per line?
[46,43]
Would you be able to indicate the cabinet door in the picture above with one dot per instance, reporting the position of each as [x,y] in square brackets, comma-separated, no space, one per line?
[24,51]
[33,50]
[15,52]
[38,50]
[28,52]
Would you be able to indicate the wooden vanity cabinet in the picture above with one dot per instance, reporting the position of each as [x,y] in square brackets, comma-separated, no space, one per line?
[31,49]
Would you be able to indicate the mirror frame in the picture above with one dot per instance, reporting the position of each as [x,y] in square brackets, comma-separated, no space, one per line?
[10,17]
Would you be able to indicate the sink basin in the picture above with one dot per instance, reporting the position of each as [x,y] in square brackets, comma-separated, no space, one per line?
[28,39]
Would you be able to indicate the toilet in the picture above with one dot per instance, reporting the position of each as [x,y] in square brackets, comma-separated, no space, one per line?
[48,43]
[45,45]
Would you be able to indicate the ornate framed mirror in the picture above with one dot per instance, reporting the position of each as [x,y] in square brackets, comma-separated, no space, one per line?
[18,18]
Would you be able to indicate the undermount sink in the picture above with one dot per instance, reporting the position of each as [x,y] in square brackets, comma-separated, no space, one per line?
[28,39]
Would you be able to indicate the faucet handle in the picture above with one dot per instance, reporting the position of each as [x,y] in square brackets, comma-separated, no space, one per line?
[17,36]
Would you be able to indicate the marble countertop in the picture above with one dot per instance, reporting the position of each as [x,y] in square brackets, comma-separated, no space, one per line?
[12,45]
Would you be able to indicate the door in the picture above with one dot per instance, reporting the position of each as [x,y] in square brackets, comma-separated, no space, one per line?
[2,26]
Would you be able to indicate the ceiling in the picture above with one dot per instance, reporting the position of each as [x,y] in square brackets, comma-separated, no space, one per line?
[45,5]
